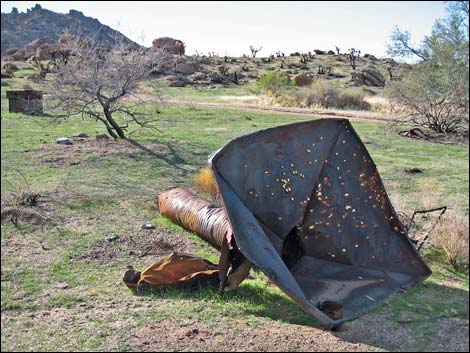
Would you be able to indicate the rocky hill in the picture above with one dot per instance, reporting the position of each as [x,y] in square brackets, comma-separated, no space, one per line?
[21,28]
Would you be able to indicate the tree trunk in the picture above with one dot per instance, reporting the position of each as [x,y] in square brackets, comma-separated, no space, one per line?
[114,125]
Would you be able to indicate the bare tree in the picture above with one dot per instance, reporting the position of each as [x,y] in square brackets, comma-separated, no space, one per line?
[254,50]
[103,84]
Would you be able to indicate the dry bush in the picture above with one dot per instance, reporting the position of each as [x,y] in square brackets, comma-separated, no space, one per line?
[288,101]
[385,105]
[451,234]
[205,183]
[19,206]
[19,201]
[322,94]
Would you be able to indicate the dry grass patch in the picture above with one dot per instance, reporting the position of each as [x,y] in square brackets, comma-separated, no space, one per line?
[451,234]
[205,183]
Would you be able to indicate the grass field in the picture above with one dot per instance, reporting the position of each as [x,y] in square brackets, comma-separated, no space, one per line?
[94,189]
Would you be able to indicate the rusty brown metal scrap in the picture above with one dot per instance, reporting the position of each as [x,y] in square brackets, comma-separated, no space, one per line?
[305,204]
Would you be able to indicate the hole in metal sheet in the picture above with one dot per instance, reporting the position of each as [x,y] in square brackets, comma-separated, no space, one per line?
[292,250]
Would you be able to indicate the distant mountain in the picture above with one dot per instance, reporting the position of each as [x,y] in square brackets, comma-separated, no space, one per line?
[21,28]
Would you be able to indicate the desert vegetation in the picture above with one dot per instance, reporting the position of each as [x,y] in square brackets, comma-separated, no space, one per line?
[436,89]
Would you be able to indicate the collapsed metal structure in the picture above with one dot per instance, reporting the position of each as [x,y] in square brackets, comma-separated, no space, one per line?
[305,204]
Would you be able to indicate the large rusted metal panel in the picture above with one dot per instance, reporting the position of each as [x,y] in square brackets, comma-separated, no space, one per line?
[307,206]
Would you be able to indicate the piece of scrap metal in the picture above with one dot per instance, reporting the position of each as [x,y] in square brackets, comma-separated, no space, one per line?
[307,206]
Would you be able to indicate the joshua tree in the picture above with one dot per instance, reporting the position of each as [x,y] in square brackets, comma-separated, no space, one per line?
[389,69]
[353,55]
[104,85]
[254,50]
[337,49]
[42,67]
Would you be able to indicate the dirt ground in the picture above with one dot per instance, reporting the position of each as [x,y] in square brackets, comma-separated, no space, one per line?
[371,333]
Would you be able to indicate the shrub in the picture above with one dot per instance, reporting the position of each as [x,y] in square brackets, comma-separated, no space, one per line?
[274,82]
[435,98]
[205,183]
[321,93]
[436,90]
[286,100]
[451,234]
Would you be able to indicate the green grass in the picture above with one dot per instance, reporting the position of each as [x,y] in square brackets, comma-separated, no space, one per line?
[114,193]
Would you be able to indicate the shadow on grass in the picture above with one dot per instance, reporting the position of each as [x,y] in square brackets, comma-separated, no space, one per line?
[173,158]
[249,299]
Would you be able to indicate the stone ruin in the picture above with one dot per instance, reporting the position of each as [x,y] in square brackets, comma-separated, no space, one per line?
[25,101]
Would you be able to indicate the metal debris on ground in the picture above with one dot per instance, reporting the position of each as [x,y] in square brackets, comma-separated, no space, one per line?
[305,204]
[211,224]
[308,208]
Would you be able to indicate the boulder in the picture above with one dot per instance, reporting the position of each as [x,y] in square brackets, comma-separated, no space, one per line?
[17,55]
[319,52]
[10,67]
[64,141]
[11,51]
[368,77]
[148,226]
[34,45]
[174,46]
[331,52]
[176,81]
[199,76]
[370,56]
[183,68]
[303,79]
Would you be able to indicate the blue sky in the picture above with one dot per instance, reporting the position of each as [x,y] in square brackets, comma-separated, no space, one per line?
[228,28]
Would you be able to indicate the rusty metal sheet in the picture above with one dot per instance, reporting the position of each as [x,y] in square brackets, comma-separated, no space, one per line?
[307,206]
